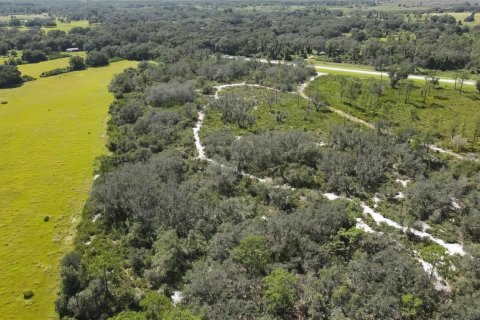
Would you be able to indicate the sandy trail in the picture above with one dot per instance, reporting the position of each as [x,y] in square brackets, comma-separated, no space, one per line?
[451,248]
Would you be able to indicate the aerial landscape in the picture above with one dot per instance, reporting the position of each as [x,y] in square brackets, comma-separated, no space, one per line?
[239,159]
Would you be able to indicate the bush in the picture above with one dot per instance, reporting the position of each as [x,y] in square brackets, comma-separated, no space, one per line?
[168,94]
[28,294]
[96,59]
[54,72]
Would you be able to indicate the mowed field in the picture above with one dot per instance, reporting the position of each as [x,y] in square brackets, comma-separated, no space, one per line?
[35,69]
[51,130]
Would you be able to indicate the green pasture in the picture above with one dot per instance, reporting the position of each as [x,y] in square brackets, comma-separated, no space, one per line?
[51,131]
[35,69]
[444,111]
[295,113]
[67,26]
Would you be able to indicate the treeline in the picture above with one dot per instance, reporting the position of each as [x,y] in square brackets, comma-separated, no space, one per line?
[370,37]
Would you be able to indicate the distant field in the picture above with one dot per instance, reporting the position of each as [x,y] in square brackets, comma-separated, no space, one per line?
[63,26]
[23,16]
[51,130]
[67,26]
[460,16]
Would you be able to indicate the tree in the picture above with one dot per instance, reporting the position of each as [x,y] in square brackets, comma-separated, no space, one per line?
[409,86]
[155,305]
[459,142]
[252,253]
[398,73]
[9,76]
[411,306]
[462,76]
[477,84]
[167,263]
[476,132]
[169,94]
[96,59]
[353,90]
[14,22]
[471,225]
[77,63]
[280,291]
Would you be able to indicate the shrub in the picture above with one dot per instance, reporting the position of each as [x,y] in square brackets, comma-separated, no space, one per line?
[54,72]
[28,294]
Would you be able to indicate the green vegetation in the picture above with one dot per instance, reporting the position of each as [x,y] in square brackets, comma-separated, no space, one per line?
[51,177]
[36,69]
[442,115]
[67,25]
[218,200]
[285,112]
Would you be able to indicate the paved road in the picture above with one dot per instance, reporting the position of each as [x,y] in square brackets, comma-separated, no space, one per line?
[378,73]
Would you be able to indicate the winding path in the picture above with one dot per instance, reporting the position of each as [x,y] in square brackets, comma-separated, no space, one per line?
[451,248]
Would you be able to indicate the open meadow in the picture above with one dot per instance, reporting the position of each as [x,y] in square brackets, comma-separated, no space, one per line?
[35,69]
[51,131]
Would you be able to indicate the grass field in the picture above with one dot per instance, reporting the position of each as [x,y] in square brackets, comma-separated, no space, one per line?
[67,26]
[444,110]
[51,130]
[35,69]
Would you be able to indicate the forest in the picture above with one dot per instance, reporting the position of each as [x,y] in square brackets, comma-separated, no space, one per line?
[234,186]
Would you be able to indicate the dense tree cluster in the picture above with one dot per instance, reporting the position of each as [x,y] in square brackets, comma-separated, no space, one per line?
[9,76]
[372,37]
